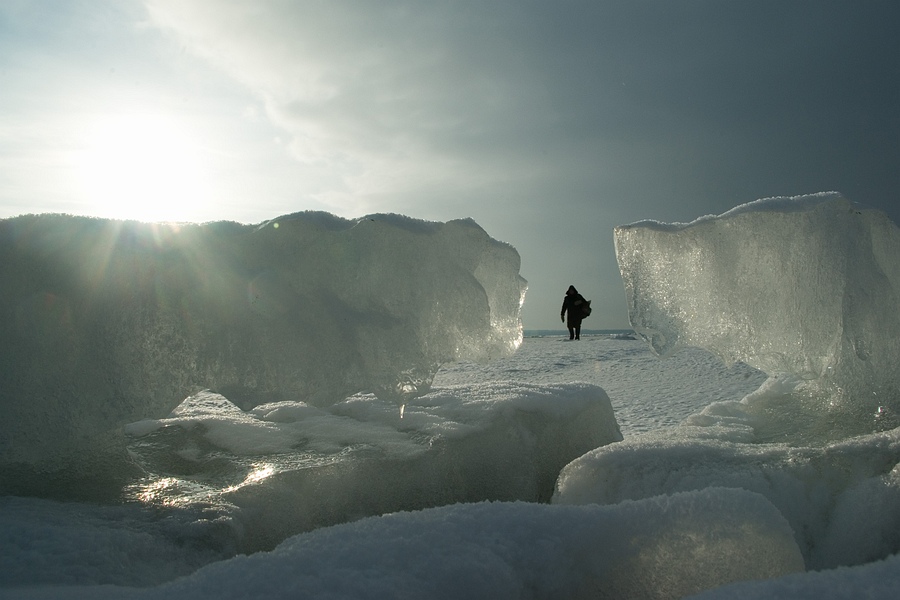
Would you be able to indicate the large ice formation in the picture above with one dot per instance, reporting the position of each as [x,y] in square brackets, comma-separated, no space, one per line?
[805,289]
[105,322]
[806,286]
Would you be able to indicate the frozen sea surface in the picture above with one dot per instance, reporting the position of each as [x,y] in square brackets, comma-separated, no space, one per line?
[647,392]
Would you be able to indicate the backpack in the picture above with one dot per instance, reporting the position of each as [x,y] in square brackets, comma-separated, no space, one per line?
[585,309]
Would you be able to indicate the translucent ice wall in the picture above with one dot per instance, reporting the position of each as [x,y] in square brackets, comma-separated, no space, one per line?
[104,323]
[806,286]
[805,289]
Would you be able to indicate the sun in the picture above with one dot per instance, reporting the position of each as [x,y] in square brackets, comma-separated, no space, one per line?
[141,166]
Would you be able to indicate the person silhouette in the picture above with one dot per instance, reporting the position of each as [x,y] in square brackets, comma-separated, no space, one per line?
[572,304]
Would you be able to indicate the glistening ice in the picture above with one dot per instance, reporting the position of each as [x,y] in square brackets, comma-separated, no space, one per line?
[769,481]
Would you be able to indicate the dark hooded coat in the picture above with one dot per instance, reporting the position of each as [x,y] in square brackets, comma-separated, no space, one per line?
[571,307]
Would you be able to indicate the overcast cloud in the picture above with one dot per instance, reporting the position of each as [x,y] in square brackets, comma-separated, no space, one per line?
[547,122]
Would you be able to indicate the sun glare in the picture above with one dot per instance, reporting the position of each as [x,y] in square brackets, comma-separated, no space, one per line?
[145,167]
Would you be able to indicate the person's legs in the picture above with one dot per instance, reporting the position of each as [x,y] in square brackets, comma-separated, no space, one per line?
[578,331]
[571,332]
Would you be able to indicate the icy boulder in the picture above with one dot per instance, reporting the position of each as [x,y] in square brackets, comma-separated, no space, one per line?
[656,549]
[841,500]
[807,286]
[466,443]
[105,322]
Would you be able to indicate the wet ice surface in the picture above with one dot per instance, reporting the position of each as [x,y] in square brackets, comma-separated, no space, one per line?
[647,392]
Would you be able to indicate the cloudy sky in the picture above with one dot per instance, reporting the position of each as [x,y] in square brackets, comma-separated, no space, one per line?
[547,122]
